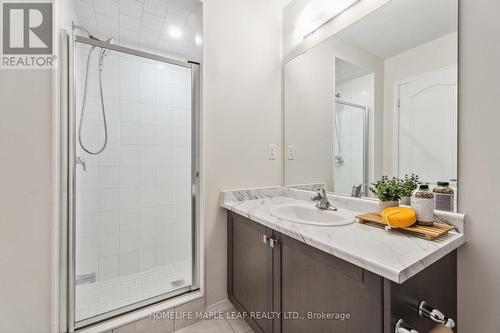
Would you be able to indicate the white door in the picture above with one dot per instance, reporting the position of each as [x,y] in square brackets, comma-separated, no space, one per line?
[426,126]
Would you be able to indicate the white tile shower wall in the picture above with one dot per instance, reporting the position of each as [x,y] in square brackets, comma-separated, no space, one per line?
[360,91]
[133,202]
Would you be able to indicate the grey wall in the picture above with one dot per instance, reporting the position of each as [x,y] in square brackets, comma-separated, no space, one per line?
[479,165]
[25,200]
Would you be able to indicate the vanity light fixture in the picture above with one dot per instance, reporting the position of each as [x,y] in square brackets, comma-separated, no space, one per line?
[174,32]
[319,12]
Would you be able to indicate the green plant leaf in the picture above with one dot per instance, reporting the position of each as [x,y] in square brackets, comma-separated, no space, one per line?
[392,189]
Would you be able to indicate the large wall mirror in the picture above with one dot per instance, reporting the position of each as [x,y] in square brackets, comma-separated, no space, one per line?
[377,98]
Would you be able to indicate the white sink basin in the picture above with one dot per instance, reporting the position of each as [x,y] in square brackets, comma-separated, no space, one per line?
[308,214]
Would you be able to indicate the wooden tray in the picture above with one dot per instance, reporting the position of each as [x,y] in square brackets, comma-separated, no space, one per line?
[429,233]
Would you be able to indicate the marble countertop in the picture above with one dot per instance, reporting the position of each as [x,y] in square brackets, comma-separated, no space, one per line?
[390,254]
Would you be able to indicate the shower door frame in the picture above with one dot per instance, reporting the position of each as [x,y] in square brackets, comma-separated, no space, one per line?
[366,126]
[68,202]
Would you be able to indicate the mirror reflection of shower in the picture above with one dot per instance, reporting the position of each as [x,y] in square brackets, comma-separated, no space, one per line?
[338,158]
[354,98]
[102,54]
[351,170]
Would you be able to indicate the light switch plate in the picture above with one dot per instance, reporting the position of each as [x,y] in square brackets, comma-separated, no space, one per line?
[291,152]
[272,151]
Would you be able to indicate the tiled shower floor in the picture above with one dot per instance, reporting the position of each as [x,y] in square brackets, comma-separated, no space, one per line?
[103,296]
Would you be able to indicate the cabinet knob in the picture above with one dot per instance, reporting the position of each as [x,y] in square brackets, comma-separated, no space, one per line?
[273,243]
[265,238]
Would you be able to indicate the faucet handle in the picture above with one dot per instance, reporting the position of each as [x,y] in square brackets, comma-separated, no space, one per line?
[81,161]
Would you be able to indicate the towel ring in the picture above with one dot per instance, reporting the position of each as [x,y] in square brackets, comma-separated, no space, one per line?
[401,327]
[427,311]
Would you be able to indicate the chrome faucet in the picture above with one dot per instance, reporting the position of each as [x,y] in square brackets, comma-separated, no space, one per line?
[322,201]
[356,190]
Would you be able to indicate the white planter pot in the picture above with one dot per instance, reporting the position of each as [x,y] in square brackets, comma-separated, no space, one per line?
[386,204]
[405,201]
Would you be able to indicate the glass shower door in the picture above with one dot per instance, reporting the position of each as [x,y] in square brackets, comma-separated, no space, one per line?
[133,203]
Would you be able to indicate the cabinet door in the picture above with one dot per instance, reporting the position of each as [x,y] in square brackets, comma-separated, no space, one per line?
[314,282]
[250,270]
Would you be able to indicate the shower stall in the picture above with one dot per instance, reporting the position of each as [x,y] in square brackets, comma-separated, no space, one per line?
[351,147]
[131,179]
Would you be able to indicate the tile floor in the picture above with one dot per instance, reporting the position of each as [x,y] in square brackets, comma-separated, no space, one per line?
[218,326]
[103,296]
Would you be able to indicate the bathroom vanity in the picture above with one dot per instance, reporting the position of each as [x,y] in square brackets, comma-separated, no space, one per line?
[347,278]
[375,97]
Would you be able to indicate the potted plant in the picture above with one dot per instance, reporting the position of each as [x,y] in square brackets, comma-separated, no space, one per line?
[388,191]
[408,184]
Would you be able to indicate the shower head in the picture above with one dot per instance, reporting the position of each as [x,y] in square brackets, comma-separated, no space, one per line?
[80,27]
[110,40]
[104,52]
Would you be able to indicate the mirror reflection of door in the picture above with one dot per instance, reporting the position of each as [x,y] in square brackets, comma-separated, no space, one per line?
[426,142]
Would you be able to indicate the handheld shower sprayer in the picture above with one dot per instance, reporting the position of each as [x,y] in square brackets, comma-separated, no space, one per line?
[102,54]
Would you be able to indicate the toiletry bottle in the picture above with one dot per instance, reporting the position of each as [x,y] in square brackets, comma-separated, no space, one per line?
[422,202]
[444,196]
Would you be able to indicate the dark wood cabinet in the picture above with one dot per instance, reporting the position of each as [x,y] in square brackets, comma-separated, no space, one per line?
[342,297]
[251,270]
[312,291]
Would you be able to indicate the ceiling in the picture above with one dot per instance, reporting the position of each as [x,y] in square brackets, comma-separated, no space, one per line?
[345,71]
[170,27]
[402,25]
